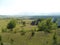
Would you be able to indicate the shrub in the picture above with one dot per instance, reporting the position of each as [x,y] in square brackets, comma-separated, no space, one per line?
[4,29]
[0,38]
[11,24]
[11,41]
[54,39]
[1,43]
[24,23]
[22,32]
[35,22]
[32,33]
[46,25]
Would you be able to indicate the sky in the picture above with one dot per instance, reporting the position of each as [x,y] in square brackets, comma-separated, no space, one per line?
[29,7]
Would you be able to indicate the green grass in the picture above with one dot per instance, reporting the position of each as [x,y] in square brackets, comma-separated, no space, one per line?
[40,38]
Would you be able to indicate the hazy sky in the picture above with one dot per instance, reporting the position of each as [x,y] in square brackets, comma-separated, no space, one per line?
[18,7]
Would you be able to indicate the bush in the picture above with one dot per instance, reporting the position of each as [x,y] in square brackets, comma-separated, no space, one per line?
[22,32]
[24,23]
[11,24]
[46,25]
[4,29]
[11,41]
[35,22]
[54,39]
[1,43]
[0,38]
[32,33]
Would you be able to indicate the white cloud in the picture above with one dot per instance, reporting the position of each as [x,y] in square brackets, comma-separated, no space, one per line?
[10,7]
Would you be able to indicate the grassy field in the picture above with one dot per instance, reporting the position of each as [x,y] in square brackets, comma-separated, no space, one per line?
[27,27]
[39,38]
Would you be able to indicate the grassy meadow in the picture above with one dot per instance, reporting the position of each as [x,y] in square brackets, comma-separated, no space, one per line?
[22,35]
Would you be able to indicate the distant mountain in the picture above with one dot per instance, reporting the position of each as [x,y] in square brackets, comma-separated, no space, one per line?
[29,17]
[4,16]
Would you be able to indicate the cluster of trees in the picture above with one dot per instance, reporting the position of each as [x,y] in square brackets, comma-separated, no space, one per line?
[47,25]
[35,22]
